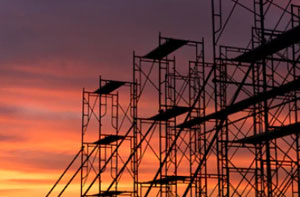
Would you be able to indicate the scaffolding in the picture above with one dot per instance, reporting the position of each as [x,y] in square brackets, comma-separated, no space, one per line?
[227,126]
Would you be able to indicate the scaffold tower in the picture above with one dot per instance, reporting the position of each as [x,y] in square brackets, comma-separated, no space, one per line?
[193,125]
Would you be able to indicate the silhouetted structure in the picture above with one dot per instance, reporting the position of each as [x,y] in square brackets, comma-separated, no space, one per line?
[229,127]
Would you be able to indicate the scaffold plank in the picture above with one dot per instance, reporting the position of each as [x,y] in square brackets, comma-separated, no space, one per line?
[108,193]
[109,87]
[284,40]
[241,105]
[109,139]
[170,113]
[276,133]
[166,48]
[167,180]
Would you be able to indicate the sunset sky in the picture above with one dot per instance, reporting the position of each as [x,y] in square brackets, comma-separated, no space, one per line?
[49,51]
